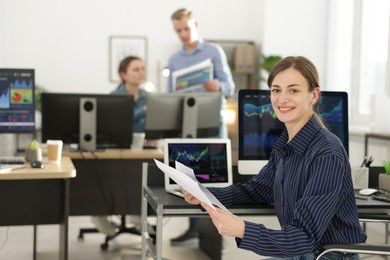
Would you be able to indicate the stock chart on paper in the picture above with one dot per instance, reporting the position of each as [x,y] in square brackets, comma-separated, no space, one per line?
[17,109]
[209,161]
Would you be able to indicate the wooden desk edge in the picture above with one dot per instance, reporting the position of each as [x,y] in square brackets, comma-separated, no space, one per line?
[117,154]
[65,170]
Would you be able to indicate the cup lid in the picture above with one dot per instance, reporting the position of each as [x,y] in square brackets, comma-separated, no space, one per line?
[54,142]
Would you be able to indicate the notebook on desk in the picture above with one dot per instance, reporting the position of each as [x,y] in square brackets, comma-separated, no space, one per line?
[209,158]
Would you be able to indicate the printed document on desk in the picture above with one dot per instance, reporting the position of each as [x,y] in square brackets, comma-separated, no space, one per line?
[192,78]
[185,177]
[6,168]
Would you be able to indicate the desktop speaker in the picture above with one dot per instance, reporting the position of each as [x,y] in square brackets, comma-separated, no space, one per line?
[88,111]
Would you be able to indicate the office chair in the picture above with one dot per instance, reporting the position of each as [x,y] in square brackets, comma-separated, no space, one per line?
[370,249]
[364,248]
[360,248]
[120,230]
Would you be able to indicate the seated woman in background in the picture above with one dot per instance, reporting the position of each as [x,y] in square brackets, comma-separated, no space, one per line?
[132,74]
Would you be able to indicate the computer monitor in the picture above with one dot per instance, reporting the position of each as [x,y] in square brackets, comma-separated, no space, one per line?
[17,101]
[183,115]
[259,128]
[210,158]
[66,117]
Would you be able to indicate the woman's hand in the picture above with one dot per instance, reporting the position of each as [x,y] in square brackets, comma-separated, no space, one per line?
[226,223]
[189,198]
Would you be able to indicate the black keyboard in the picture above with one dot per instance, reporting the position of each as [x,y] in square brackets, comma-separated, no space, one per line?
[12,160]
[382,197]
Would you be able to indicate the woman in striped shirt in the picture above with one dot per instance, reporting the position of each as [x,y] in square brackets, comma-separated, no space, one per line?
[307,178]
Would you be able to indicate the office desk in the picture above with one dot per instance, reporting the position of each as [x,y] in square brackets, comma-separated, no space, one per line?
[108,182]
[38,196]
[164,204]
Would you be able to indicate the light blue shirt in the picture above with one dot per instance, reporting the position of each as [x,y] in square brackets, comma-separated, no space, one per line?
[139,111]
[204,51]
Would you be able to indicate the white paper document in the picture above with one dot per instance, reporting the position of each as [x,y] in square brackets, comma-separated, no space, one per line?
[185,178]
[6,168]
[192,78]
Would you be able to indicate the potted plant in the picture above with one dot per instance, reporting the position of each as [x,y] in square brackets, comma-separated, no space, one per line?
[384,178]
[33,151]
[267,63]
[38,107]
[386,165]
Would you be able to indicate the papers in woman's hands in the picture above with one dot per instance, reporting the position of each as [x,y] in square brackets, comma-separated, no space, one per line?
[192,78]
[185,178]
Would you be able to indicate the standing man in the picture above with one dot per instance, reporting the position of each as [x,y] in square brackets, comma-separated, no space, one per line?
[194,51]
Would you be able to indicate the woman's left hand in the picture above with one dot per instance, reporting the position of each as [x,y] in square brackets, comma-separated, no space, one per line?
[189,198]
[226,223]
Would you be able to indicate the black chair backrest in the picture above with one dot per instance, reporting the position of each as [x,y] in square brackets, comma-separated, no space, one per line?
[155,176]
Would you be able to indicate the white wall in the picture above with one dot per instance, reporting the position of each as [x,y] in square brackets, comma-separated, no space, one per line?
[67,41]
[297,28]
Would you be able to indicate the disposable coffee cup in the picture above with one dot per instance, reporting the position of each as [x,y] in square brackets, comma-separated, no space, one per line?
[54,150]
[138,141]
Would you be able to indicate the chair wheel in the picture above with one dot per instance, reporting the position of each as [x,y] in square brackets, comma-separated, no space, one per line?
[104,246]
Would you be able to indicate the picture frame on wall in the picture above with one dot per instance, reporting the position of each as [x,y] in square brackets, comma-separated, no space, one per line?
[123,46]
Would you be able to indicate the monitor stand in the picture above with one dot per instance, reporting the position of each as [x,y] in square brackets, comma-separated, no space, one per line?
[88,111]
[250,167]
[190,117]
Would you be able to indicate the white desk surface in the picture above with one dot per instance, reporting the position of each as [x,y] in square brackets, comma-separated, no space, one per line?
[51,171]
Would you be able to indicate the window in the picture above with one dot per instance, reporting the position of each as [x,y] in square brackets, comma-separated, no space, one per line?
[373,51]
[358,53]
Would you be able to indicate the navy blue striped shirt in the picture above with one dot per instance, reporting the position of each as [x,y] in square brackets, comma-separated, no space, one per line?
[309,181]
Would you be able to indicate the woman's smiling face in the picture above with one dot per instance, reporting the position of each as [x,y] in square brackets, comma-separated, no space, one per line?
[291,99]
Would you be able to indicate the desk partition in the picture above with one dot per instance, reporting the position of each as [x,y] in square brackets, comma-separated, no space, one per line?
[108,182]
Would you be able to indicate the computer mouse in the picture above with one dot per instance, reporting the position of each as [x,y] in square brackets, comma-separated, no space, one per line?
[37,164]
[367,191]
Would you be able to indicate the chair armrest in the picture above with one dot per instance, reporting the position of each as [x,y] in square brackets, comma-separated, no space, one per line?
[361,248]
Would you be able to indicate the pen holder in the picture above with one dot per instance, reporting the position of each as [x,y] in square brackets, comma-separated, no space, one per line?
[359,177]
[33,155]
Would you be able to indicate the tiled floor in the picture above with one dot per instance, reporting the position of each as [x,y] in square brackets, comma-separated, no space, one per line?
[16,242]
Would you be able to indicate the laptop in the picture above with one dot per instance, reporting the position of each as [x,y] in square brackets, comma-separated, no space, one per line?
[209,158]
